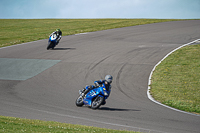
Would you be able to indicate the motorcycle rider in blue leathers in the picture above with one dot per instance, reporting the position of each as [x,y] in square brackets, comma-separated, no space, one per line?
[58,32]
[107,82]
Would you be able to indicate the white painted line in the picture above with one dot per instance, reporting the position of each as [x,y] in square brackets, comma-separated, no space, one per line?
[35,41]
[102,122]
[81,34]
[20,44]
[149,82]
[84,119]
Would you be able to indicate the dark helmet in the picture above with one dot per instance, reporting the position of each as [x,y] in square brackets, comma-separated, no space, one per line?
[109,78]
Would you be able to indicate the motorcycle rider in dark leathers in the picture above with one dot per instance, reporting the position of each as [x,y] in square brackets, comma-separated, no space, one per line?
[107,82]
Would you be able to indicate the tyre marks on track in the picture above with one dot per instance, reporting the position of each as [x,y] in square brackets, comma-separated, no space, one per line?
[118,81]
[94,66]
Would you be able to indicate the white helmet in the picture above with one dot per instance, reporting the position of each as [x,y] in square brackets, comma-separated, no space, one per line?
[109,78]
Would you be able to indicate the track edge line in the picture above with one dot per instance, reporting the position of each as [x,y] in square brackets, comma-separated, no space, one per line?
[149,82]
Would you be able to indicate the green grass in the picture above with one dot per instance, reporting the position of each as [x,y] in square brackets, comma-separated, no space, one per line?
[16,31]
[176,81]
[18,125]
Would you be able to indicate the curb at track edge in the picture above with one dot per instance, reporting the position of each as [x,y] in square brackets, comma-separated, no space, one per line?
[149,82]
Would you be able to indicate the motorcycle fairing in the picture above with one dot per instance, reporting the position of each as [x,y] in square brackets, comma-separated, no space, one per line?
[94,93]
[52,38]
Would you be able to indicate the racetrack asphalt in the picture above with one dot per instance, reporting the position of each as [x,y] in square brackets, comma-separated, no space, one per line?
[128,54]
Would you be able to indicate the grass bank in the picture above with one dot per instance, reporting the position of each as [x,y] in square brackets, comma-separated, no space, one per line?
[16,31]
[176,81]
[18,125]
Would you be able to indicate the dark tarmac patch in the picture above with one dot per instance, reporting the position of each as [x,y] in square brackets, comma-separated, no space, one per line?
[23,69]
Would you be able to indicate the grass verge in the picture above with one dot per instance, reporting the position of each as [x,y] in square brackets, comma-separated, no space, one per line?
[18,125]
[16,31]
[176,81]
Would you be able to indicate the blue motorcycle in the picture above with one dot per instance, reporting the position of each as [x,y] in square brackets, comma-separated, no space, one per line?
[94,98]
[52,41]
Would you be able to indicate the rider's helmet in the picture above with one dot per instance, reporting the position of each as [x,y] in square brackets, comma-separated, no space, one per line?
[57,30]
[109,78]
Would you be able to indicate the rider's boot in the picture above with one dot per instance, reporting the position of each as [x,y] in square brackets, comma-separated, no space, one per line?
[85,91]
[57,41]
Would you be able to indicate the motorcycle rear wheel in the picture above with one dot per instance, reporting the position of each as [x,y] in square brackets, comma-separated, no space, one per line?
[97,102]
[79,101]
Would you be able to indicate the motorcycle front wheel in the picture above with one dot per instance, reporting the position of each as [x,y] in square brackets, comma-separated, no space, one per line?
[50,45]
[96,103]
[79,101]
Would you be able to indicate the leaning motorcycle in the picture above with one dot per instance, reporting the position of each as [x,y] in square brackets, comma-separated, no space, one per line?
[52,42]
[94,98]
